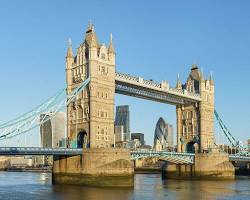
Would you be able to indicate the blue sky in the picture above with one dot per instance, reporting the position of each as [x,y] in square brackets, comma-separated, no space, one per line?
[153,39]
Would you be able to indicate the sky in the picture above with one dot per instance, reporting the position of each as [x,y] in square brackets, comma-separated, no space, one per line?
[153,39]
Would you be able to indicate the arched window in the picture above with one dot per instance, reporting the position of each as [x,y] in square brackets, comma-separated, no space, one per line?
[82,139]
[103,56]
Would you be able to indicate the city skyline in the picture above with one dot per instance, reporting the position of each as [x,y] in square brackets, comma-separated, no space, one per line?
[41,51]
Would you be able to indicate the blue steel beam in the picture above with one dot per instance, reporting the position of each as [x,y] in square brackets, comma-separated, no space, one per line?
[13,151]
[178,158]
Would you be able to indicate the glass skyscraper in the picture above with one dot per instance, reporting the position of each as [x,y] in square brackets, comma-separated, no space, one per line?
[122,118]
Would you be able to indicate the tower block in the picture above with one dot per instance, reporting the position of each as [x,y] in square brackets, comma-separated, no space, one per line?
[90,119]
[195,122]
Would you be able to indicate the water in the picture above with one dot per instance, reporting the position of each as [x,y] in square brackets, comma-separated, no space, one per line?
[37,186]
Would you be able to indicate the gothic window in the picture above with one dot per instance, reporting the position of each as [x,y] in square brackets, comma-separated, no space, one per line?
[103,70]
[103,56]
[80,112]
[183,115]
[184,129]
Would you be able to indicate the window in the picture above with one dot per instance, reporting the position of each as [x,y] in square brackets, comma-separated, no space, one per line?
[103,70]
[103,56]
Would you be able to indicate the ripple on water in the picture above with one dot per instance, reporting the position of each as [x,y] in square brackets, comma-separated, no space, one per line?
[37,186]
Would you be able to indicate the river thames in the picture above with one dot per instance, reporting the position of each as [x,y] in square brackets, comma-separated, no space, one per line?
[37,186]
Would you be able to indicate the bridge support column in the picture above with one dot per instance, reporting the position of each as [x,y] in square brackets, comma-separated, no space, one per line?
[207,166]
[96,167]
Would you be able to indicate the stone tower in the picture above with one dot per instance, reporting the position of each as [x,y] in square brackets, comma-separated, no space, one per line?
[90,118]
[195,122]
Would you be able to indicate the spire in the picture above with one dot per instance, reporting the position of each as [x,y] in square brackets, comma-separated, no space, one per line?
[69,51]
[90,37]
[194,66]
[211,80]
[178,85]
[90,27]
[111,47]
[202,75]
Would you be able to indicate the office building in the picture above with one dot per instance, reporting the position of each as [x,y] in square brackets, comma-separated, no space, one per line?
[163,138]
[122,118]
[138,136]
[52,133]
[53,130]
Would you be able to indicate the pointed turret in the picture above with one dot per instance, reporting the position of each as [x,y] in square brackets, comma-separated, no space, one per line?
[69,66]
[111,50]
[111,47]
[202,75]
[90,37]
[69,51]
[211,80]
[178,84]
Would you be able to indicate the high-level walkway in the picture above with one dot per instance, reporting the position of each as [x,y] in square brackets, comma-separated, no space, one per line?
[148,89]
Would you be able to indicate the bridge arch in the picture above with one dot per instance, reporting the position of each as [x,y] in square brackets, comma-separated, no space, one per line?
[191,146]
[82,140]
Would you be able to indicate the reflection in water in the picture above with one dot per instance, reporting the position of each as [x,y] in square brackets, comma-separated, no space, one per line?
[22,185]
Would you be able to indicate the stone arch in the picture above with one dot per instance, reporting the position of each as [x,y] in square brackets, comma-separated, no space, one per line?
[190,147]
[82,140]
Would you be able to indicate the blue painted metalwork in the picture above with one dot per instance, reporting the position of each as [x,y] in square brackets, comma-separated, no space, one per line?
[38,151]
[174,157]
[239,158]
[33,118]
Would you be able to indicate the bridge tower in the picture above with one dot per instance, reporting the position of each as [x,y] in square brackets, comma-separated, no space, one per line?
[90,118]
[195,122]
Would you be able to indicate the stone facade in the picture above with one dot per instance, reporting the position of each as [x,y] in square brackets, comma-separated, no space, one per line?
[195,122]
[90,119]
[213,165]
[96,167]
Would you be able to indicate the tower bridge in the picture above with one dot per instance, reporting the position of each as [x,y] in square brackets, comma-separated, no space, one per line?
[92,81]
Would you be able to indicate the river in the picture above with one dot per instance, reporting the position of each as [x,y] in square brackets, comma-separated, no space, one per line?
[37,186]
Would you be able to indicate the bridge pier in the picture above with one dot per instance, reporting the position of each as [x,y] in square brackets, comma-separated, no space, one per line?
[213,165]
[95,167]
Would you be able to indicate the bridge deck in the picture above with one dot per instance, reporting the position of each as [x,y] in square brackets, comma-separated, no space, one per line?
[8,151]
[185,158]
